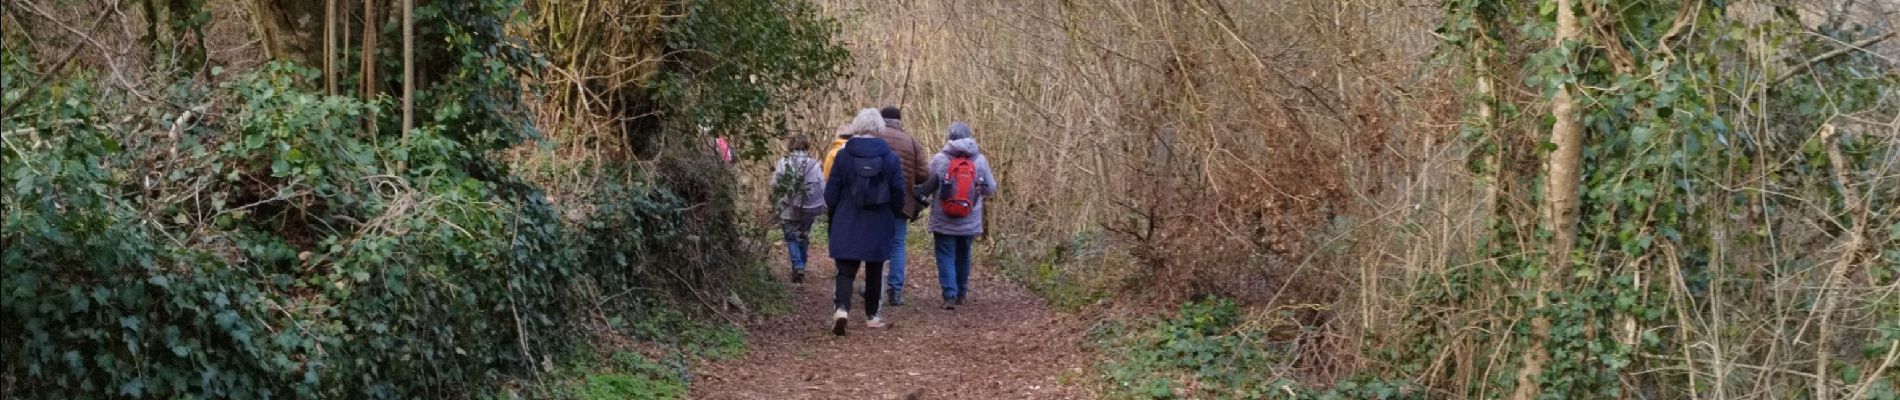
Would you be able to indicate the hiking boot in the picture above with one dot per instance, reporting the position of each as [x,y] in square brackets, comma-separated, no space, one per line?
[894,297]
[838,320]
[876,322]
[949,303]
[798,276]
[958,300]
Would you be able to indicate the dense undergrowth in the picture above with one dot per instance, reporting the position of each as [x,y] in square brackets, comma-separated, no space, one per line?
[1209,350]
[244,233]
[661,369]
[1054,274]
[279,255]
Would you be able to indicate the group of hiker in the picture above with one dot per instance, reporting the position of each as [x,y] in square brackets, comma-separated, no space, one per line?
[870,185]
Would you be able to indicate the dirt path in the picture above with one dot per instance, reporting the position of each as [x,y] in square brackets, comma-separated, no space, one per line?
[1003,343]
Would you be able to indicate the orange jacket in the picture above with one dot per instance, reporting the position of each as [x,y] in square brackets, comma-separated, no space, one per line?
[836,144]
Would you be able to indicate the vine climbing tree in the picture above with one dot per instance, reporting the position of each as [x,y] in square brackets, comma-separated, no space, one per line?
[1700,201]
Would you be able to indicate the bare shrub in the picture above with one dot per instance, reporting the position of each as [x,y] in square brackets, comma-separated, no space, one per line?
[1204,140]
[1336,167]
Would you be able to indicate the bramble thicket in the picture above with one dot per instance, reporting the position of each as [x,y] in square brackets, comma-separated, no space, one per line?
[185,223]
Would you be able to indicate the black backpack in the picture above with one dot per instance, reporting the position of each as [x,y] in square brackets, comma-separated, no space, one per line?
[868,184]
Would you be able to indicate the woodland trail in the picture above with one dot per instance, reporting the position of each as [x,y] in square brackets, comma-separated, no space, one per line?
[1004,343]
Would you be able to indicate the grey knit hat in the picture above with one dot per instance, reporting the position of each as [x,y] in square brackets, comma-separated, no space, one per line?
[960,130]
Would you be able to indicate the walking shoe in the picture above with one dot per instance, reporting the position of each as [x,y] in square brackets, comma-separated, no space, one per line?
[949,303]
[838,320]
[959,300]
[894,297]
[798,276]
[876,322]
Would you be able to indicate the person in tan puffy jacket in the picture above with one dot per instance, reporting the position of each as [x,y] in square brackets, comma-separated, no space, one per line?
[912,159]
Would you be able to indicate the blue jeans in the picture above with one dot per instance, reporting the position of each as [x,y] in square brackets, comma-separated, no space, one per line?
[953,264]
[797,241]
[895,280]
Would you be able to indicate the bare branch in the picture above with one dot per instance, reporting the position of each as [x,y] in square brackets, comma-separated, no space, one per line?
[1850,48]
[54,73]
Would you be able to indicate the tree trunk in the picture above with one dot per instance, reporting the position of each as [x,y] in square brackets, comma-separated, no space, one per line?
[1487,96]
[329,47]
[1564,175]
[367,81]
[288,29]
[408,75]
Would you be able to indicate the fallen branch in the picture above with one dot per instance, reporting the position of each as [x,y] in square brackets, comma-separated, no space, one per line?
[35,129]
[1809,64]
[1850,249]
[178,126]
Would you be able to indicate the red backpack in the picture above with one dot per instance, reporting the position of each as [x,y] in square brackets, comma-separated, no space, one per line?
[960,184]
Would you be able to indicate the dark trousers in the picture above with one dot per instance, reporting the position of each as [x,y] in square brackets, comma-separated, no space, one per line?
[848,271]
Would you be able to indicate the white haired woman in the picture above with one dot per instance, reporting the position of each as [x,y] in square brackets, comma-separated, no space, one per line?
[865,192]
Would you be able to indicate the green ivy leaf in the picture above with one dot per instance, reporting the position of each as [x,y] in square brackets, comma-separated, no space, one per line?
[134,387]
[1641,135]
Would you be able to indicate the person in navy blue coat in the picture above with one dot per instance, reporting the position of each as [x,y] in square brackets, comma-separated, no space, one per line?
[865,192]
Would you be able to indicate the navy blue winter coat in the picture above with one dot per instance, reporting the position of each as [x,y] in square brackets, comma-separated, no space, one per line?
[860,232]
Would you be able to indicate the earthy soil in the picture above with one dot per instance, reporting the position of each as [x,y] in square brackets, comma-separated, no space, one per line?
[1003,343]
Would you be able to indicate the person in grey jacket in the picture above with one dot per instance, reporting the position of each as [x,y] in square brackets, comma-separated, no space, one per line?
[955,235]
[800,184]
